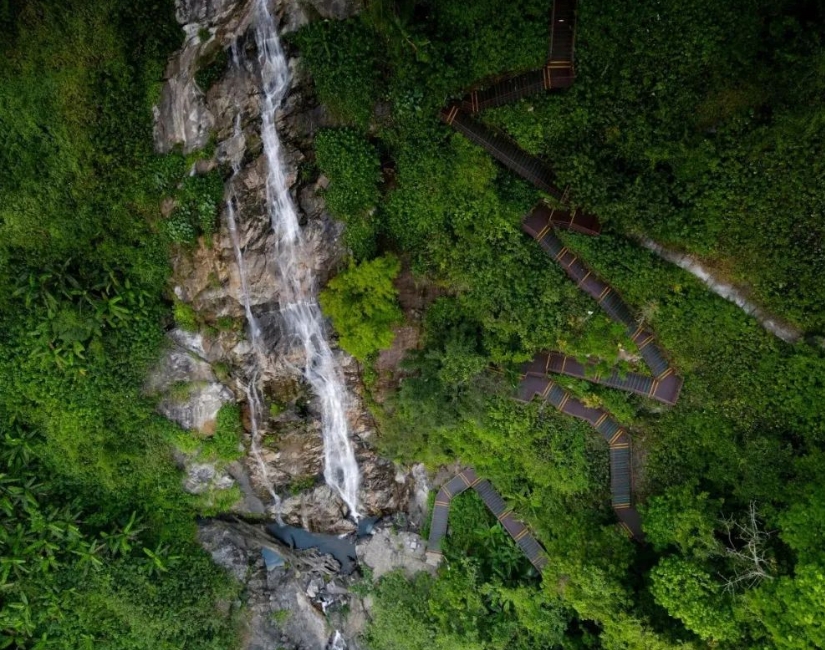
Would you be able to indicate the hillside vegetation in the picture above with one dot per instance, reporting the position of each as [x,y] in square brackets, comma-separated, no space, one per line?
[698,125]
[97,544]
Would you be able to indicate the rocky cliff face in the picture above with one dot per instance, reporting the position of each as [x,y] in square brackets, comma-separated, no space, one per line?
[208,280]
[295,600]
[204,370]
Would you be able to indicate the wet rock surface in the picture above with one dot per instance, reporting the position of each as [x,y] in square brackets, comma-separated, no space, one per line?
[190,394]
[297,605]
[388,551]
[301,602]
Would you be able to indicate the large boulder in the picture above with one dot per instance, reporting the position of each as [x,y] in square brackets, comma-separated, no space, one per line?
[388,551]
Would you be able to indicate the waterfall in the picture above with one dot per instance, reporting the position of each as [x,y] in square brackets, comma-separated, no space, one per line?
[298,304]
[254,327]
[254,401]
[252,396]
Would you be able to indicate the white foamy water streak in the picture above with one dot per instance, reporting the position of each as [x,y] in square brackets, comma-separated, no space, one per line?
[254,401]
[775,326]
[252,396]
[299,306]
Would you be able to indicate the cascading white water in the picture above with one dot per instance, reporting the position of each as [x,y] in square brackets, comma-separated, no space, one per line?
[254,327]
[254,401]
[252,397]
[299,306]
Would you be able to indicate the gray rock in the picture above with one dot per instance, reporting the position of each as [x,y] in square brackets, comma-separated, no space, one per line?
[202,477]
[178,365]
[203,11]
[305,625]
[388,551]
[181,116]
[418,506]
[199,409]
[228,550]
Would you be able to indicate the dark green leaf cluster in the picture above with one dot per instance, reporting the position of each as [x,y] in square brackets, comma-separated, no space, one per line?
[97,542]
[353,169]
[343,56]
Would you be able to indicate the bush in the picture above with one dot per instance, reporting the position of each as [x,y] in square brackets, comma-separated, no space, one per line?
[343,59]
[97,538]
[226,442]
[185,316]
[362,304]
[211,70]
[352,165]
[198,203]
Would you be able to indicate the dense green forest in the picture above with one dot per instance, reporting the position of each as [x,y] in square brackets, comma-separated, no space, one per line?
[97,544]
[700,125]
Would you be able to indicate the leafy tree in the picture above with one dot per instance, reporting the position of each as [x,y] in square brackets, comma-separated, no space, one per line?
[689,594]
[789,608]
[362,304]
[682,518]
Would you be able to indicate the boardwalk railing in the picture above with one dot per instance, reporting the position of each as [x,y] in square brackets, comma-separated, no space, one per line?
[504,150]
[464,481]
[664,385]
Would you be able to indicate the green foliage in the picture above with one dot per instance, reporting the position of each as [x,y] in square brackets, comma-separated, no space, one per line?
[363,306]
[699,150]
[80,579]
[485,598]
[789,607]
[803,524]
[343,57]
[185,316]
[302,484]
[682,518]
[689,594]
[97,543]
[694,125]
[196,212]
[351,163]
[226,441]
[212,69]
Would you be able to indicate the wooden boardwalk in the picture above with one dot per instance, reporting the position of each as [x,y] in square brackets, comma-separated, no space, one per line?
[664,390]
[663,385]
[464,481]
[543,215]
[562,36]
[539,226]
[504,150]
[557,74]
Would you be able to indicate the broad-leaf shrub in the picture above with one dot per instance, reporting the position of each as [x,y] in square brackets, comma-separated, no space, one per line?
[363,306]
[353,168]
